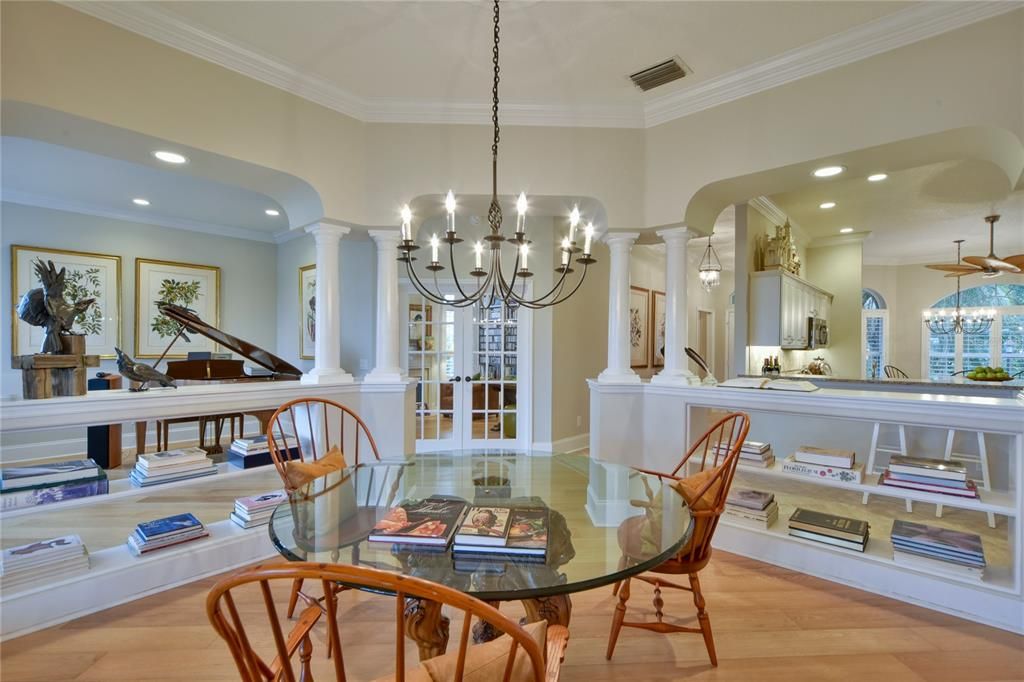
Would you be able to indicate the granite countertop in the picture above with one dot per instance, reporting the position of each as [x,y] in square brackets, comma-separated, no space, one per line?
[947,381]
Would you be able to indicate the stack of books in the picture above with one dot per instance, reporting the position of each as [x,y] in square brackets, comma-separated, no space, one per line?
[30,486]
[256,510]
[829,529]
[825,463]
[431,522]
[171,465]
[520,532]
[754,453]
[751,508]
[43,562]
[170,530]
[938,550]
[930,475]
[246,453]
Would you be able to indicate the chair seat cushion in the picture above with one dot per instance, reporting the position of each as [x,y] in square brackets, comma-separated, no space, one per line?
[484,662]
[690,488]
[300,473]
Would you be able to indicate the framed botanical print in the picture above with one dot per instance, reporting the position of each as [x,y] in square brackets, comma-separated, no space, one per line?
[196,287]
[658,325]
[639,327]
[307,311]
[87,275]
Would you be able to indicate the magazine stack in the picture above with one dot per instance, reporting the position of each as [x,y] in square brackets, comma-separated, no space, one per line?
[516,532]
[256,510]
[946,477]
[829,529]
[753,453]
[938,550]
[31,486]
[165,532]
[168,466]
[246,453]
[43,562]
[752,508]
[825,464]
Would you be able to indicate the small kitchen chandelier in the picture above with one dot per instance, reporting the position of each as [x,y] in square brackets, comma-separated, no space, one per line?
[971,322]
[492,283]
[710,268]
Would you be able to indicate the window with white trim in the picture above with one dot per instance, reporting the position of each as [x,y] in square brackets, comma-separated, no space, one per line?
[874,331]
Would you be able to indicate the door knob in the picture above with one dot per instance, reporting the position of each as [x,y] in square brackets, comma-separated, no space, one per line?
[469,378]
[457,379]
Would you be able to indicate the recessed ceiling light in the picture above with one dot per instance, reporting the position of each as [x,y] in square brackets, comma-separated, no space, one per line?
[272,211]
[828,171]
[877,177]
[140,202]
[170,157]
[827,204]
[846,230]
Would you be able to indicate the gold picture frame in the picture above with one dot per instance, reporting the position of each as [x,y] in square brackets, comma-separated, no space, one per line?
[639,327]
[152,337]
[307,312]
[658,313]
[102,285]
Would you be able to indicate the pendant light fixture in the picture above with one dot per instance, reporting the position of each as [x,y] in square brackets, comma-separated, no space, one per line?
[973,322]
[710,268]
[491,281]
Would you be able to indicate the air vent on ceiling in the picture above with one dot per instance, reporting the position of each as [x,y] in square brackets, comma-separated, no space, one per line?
[659,74]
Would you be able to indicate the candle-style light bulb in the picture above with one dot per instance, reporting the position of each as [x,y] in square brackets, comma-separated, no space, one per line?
[406,223]
[449,205]
[589,234]
[574,220]
[434,243]
[479,249]
[565,251]
[524,251]
[521,210]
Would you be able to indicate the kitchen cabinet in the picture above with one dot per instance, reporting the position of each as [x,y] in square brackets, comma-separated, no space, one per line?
[780,305]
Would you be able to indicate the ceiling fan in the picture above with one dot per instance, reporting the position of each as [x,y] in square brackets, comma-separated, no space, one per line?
[988,266]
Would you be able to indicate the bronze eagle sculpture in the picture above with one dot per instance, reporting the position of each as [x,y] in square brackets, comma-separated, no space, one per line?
[141,372]
[46,307]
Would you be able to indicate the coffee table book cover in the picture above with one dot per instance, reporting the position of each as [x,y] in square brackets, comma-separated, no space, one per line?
[432,521]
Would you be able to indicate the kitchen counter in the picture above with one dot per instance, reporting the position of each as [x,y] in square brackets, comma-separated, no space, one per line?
[948,385]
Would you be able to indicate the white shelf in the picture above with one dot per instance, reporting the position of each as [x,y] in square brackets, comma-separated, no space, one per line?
[990,501]
[122,489]
[879,550]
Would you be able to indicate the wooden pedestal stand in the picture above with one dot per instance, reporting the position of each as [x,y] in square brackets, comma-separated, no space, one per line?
[52,376]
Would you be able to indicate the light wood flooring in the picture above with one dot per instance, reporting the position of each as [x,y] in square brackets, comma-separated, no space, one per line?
[770,624]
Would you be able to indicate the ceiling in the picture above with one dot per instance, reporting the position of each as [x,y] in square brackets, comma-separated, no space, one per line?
[563,63]
[914,215]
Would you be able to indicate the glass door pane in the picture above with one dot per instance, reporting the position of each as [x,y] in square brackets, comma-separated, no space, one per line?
[432,353]
[493,345]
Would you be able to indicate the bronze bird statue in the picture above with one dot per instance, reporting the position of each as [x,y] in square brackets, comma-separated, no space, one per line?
[141,372]
[45,307]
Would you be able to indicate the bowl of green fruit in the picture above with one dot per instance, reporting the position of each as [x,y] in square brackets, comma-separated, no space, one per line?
[988,374]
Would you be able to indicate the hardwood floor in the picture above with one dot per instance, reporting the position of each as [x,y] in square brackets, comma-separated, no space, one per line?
[770,624]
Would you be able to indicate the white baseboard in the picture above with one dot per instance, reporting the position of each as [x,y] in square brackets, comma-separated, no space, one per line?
[116,577]
[573,443]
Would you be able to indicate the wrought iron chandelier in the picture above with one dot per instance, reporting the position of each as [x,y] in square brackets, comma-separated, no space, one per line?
[971,322]
[710,268]
[491,283]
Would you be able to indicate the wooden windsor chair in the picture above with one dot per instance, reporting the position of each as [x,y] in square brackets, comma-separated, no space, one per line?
[533,652]
[894,372]
[306,429]
[714,456]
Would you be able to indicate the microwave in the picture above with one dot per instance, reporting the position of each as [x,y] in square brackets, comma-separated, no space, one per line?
[817,333]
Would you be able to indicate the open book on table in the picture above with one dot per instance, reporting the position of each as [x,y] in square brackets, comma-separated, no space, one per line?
[770,384]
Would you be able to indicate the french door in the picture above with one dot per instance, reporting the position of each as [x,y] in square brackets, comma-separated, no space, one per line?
[471,370]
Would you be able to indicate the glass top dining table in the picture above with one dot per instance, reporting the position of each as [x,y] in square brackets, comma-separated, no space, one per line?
[328,521]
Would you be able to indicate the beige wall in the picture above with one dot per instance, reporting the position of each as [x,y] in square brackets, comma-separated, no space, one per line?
[837,269]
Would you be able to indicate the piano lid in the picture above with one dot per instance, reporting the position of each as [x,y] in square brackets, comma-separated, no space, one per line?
[194,324]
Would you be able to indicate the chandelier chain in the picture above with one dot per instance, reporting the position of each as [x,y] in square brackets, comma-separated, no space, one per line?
[494,89]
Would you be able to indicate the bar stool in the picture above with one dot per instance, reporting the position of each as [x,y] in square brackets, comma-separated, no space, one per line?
[981,458]
[890,449]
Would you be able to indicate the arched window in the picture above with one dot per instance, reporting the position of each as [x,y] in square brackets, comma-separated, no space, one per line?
[1001,346]
[874,328]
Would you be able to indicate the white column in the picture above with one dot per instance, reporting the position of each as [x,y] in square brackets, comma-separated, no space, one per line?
[388,367]
[618,370]
[327,347]
[676,327]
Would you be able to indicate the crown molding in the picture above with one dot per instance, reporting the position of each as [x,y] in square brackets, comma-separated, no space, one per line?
[770,210]
[839,239]
[148,218]
[919,22]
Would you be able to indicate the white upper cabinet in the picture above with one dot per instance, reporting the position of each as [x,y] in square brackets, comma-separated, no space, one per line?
[780,305]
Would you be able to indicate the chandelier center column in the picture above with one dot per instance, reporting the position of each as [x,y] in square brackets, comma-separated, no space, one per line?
[676,327]
[387,368]
[618,370]
[327,345]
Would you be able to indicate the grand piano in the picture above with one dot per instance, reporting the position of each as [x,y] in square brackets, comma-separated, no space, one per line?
[219,371]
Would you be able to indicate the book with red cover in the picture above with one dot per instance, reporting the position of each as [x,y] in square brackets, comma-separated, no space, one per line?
[432,521]
[971,491]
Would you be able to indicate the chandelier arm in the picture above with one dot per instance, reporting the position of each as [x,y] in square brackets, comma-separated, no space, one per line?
[421,288]
[537,304]
[553,292]
[455,274]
